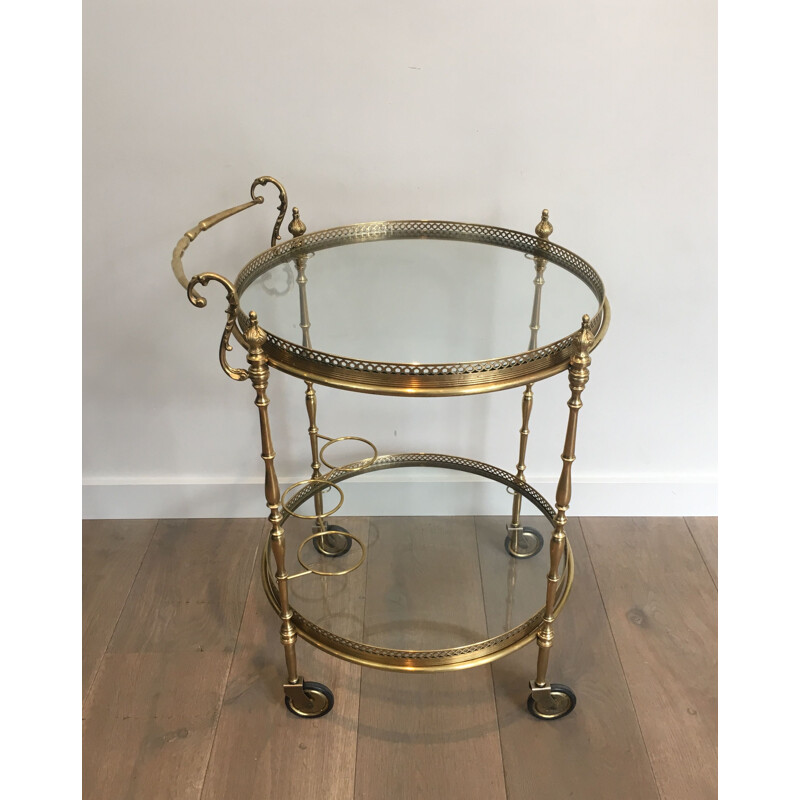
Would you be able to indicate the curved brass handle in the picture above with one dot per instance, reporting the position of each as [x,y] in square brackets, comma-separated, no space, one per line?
[209,222]
[233,308]
[283,203]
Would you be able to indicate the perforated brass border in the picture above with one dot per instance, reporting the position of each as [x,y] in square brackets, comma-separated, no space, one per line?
[426,380]
[463,657]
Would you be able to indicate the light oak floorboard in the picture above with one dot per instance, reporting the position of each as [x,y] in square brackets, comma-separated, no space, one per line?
[191,588]
[595,752]
[636,642]
[263,751]
[661,603]
[112,553]
[426,735]
[150,716]
[149,724]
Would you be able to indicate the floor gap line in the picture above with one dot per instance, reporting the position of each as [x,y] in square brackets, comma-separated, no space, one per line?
[702,557]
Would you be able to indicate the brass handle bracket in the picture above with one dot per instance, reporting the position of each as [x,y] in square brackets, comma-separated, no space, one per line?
[209,222]
[204,277]
[283,203]
[233,308]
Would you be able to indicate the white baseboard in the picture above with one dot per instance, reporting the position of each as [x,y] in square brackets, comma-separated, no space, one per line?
[384,494]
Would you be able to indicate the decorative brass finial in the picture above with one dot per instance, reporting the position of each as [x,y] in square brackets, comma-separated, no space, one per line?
[296,226]
[255,336]
[544,228]
[586,337]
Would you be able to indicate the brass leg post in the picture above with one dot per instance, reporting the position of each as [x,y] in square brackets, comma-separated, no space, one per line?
[297,228]
[522,542]
[332,545]
[302,698]
[551,701]
[259,375]
[526,542]
[313,435]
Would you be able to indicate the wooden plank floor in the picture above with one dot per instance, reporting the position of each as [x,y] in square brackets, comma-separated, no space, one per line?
[665,629]
[183,665]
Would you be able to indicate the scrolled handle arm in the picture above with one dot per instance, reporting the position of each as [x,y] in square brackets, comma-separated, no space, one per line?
[209,222]
[283,203]
[191,235]
[232,310]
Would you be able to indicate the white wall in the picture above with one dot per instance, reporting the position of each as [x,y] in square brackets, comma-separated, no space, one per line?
[604,112]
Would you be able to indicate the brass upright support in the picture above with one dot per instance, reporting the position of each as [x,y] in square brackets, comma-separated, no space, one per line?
[543,231]
[527,405]
[325,544]
[313,435]
[255,338]
[297,228]
[578,378]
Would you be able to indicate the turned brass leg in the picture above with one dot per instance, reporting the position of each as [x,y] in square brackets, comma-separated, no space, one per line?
[331,545]
[303,698]
[526,542]
[313,435]
[522,542]
[551,701]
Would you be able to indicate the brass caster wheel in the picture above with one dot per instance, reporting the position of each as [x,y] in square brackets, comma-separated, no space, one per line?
[333,546]
[557,704]
[320,699]
[529,543]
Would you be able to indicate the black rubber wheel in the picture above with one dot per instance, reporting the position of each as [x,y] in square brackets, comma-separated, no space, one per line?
[561,702]
[340,545]
[531,540]
[322,696]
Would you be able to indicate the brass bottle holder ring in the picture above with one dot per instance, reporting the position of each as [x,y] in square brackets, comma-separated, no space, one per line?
[325,573]
[353,466]
[326,484]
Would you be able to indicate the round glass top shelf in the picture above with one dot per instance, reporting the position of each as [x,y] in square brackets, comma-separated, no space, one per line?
[420,307]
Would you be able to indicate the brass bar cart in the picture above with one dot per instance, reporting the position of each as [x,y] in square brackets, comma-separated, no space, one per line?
[408,252]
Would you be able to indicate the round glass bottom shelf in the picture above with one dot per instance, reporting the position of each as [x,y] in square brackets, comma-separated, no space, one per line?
[438,592]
